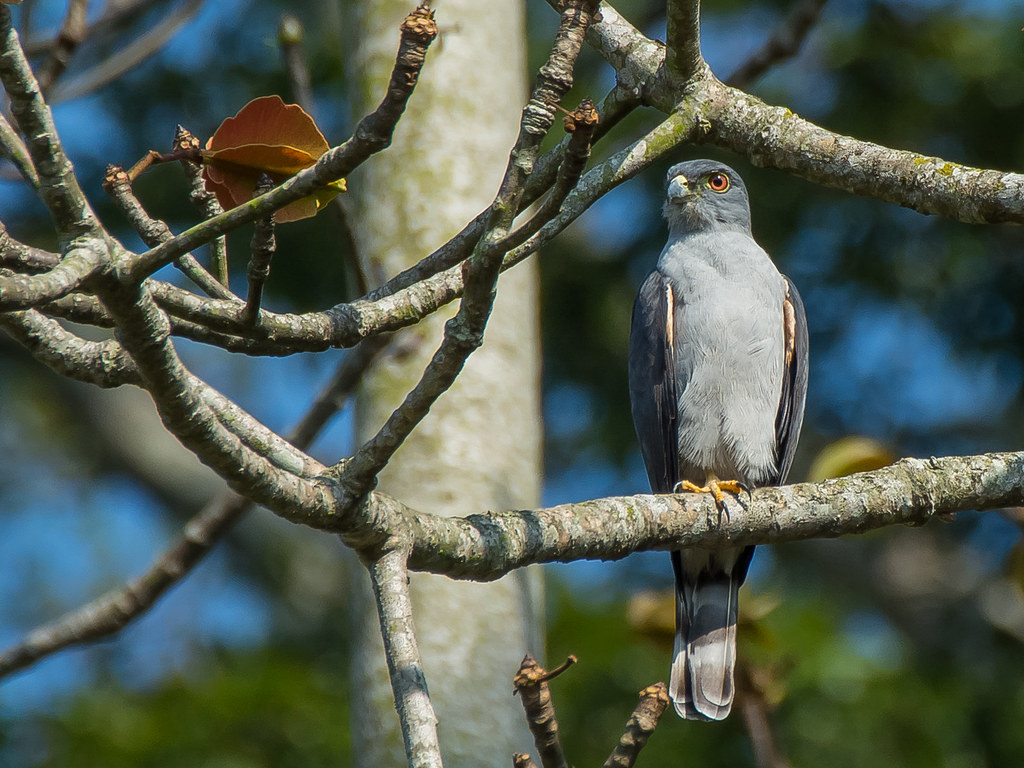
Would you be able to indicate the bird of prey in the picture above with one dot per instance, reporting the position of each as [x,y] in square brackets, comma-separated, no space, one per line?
[717,383]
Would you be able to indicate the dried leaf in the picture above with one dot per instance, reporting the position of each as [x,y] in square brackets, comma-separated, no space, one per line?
[271,137]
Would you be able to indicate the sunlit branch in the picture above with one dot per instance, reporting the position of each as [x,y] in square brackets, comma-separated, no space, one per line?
[115,610]
[390,579]
[58,187]
[464,332]
[372,134]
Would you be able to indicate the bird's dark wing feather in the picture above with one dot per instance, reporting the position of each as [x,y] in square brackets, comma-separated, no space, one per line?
[652,384]
[794,382]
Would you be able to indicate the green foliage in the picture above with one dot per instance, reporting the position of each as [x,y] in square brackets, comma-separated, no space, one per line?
[269,707]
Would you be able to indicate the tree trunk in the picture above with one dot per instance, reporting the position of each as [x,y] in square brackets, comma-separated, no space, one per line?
[479,448]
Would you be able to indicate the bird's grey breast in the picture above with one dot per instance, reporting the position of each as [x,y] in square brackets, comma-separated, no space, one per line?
[728,340]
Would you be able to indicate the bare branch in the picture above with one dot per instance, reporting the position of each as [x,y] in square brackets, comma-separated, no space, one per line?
[118,185]
[289,37]
[14,149]
[115,610]
[258,464]
[126,57]
[774,136]
[372,134]
[70,36]
[754,710]
[78,265]
[103,363]
[910,492]
[464,332]
[58,186]
[531,682]
[262,248]
[684,59]
[209,206]
[784,43]
[390,579]
[19,257]
[653,701]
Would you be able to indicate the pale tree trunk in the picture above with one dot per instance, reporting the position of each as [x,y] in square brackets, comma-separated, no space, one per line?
[479,448]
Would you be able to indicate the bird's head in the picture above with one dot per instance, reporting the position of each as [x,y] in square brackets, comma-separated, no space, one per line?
[704,194]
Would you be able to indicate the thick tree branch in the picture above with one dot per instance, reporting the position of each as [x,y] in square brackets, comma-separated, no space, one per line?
[14,149]
[910,492]
[102,363]
[216,322]
[258,464]
[78,265]
[118,185]
[106,364]
[775,137]
[112,612]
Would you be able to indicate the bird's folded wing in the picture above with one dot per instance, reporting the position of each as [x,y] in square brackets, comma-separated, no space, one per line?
[794,382]
[652,381]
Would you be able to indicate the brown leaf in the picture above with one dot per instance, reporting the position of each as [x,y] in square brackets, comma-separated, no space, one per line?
[271,137]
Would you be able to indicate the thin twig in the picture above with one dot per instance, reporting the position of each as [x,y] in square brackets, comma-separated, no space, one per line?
[127,57]
[289,37]
[207,203]
[754,710]
[263,246]
[784,43]
[581,125]
[72,33]
[372,134]
[118,185]
[641,724]
[531,683]
[464,332]
[618,103]
[115,610]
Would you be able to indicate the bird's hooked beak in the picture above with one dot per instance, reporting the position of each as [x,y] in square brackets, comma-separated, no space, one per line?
[679,190]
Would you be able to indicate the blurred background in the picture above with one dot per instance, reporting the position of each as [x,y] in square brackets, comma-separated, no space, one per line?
[902,647]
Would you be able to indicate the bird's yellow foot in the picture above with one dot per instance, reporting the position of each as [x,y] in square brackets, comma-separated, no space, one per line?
[717,488]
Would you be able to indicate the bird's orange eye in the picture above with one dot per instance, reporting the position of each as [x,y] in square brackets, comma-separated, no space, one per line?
[719,182]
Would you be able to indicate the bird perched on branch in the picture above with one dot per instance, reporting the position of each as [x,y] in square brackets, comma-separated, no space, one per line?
[717,383]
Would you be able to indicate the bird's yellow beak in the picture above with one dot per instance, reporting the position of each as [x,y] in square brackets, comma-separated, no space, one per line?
[679,189]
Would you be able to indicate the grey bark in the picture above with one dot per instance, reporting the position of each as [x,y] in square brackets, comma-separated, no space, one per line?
[480,446]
